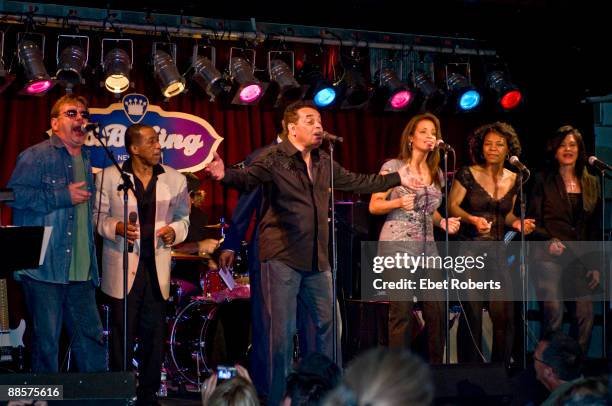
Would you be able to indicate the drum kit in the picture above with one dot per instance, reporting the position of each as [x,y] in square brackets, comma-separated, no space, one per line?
[208,324]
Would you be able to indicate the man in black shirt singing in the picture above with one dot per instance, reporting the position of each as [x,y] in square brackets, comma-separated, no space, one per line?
[293,231]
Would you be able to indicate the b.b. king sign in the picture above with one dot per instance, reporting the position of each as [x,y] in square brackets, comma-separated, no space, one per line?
[187,141]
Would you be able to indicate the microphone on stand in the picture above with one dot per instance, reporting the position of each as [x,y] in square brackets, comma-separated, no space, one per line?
[89,127]
[331,137]
[599,164]
[238,165]
[443,145]
[132,218]
[514,161]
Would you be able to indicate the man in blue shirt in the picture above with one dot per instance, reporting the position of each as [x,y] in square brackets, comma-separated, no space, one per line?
[53,185]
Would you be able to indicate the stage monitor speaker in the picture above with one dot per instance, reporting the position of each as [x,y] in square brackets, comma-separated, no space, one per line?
[471,384]
[100,388]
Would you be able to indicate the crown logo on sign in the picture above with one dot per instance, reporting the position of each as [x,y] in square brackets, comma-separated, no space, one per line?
[135,107]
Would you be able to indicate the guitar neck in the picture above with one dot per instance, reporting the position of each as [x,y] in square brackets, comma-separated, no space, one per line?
[4,315]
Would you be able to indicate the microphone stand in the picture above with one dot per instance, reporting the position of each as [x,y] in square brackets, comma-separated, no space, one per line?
[125,186]
[446,252]
[523,266]
[606,280]
[334,253]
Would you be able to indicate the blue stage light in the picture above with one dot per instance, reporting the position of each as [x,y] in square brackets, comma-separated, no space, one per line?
[325,97]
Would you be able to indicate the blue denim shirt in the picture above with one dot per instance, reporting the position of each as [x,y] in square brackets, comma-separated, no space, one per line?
[40,182]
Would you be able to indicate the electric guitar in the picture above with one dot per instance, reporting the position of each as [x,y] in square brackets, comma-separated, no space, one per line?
[10,340]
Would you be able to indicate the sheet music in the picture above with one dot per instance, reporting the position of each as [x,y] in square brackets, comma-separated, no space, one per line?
[227,277]
[45,243]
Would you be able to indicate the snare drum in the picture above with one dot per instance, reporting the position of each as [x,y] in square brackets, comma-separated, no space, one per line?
[206,334]
[211,282]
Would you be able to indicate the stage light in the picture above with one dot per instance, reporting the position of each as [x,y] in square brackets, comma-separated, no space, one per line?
[170,81]
[320,90]
[250,89]
[355,89]
[117,65]
[324,97]
[281,74]
[434,98]
[6,78]
[209,78]
[507,95]
[468,98]
[69,65]
[397,95]
[31,58]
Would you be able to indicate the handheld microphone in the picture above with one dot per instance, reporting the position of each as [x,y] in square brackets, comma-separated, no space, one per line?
[132,218]
[443,145]
[89,127]
[514,161]
[599,164]
[331,137]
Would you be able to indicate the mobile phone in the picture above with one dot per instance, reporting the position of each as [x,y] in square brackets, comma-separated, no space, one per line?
[225,372]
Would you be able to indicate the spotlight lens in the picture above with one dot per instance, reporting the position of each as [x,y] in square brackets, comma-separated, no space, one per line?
[250,93]
[38,87]
[469,100]
[173,89]
[117,83]
[401,99]
[325,97]
[511,99]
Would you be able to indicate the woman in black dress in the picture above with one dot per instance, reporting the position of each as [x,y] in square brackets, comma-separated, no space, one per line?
[483,195]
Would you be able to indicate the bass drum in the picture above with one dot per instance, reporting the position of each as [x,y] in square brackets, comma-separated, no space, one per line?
[206,334]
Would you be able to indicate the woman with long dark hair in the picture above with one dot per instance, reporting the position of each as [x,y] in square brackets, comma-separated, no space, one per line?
[411,216]
[565,201]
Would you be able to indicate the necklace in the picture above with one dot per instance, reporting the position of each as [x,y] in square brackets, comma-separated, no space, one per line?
[570,185]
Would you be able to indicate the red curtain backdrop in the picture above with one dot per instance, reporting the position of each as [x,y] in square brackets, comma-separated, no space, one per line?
[371,136]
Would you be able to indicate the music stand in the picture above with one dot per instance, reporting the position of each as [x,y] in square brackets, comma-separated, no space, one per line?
[20,248]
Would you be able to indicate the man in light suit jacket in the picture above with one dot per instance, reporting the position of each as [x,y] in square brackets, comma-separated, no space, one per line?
[161,200]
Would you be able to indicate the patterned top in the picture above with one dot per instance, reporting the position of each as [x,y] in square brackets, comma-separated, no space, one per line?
[415,224]
[478,202]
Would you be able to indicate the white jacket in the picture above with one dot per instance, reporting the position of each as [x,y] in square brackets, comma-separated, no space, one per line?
[172,208]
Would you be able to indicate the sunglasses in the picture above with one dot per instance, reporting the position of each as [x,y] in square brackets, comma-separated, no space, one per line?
[72,114]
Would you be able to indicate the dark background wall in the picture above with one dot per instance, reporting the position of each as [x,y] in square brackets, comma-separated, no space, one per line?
[556,52]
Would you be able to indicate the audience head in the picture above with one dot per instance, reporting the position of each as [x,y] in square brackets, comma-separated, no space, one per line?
[557,359]
[314,377]
[384,377]
[237,391]
[588,392]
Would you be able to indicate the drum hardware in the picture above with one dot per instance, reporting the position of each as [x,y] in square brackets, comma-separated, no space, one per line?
[196,342]
[217,226]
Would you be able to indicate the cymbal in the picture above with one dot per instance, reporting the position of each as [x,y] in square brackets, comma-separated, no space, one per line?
[181,255]
[217,226]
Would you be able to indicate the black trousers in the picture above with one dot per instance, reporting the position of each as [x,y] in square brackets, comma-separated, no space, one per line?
[146,316]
